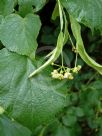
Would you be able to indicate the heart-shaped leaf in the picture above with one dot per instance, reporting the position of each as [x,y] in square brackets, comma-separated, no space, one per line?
[32,101]
[19,34]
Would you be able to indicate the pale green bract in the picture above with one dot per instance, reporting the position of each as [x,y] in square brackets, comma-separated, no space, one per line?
[19,34]
[31,102]
[76,29]
[55,54]
[88,12]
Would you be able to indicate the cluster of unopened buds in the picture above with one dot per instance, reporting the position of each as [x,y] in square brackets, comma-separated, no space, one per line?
[65,72]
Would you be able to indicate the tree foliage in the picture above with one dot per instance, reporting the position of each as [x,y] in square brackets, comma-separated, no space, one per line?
[40,39]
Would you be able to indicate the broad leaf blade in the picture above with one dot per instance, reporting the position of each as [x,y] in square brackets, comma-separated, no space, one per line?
[12,128]
[88,12]
[32,101]
[19,34]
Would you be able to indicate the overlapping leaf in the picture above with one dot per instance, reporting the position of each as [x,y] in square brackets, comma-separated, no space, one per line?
[6,7]
[19,34]
[39,4]
[30,101]
[88,12]
[26,6]
[11,128]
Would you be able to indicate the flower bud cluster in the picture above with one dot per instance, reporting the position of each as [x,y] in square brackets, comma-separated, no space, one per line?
[66,73]
[57,75]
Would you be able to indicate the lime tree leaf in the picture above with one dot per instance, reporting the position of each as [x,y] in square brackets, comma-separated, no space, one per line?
[55,13]
[31,102]
[19,34]
[6,7]
[88,12]
[26,6]
[76,29]
[12,128]
[39,4]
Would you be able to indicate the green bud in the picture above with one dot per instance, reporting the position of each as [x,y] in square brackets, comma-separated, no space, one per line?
[75,70]
[79,67]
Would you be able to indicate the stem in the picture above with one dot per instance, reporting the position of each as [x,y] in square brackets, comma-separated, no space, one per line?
[62,58]
[71,41]
[42,131]
[76,58]
[56,65]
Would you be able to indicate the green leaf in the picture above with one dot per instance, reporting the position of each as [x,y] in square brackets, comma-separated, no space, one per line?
[100,130]
[67,131]
[69,120]
[25,9]
[39,4]
[76,29]
[88,12]
[26,6]
[55,13]
[19,34]
[62,131]
[32,101]
[1,18]
[11,128]
[97,85]
[6,7]
[79,112]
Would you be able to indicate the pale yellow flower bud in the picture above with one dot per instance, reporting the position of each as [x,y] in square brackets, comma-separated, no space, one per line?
[75,70]
[70,77]
[57,76]
[54,76]
[60,76]
[79,67]
[54,72]
[66,75]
